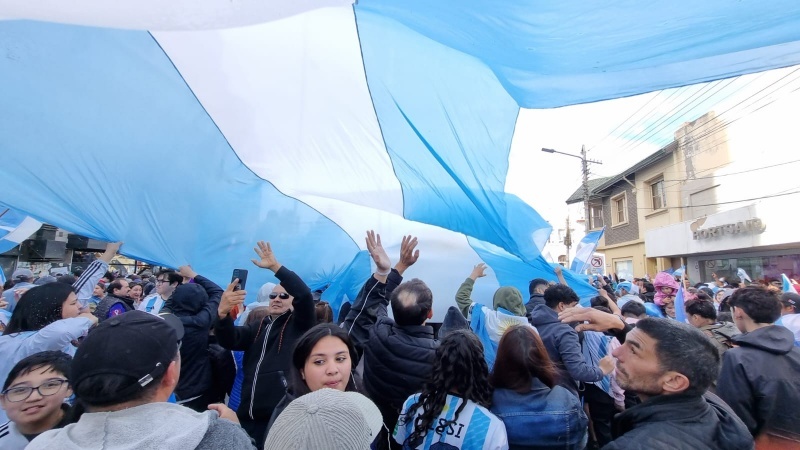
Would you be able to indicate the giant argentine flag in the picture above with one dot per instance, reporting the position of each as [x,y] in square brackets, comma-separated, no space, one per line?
[191,129]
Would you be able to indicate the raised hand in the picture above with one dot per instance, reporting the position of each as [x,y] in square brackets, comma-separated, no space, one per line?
[378,253]
[408,256]
[478,271]
[111,249]
[557,269]
[187,271]
[266,257]
[230,298]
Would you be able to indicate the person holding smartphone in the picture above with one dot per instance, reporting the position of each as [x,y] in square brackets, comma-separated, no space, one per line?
[267,344]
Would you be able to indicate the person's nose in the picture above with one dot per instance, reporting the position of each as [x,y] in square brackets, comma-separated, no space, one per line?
[332,368]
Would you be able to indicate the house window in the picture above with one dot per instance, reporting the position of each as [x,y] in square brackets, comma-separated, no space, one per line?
[619,209]
[624,269]
[658,195]
[595,217]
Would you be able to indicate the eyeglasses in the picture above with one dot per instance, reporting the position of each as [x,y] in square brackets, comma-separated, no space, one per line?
[283,295]
[19,394]
[162,281]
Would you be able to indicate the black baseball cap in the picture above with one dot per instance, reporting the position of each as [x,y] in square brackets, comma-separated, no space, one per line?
[791,299]
[135,344]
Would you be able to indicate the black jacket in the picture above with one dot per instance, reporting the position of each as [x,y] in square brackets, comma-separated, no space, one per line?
[268,348]
[760,380]
[371,303]
[397,361]
[680,422]
[195,304]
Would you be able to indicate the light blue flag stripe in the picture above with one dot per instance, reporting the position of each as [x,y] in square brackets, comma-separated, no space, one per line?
[448,131]
[511,271]
[551,54]
[111,95]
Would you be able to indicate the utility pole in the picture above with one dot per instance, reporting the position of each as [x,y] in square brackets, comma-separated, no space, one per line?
[567,242]
[585,169]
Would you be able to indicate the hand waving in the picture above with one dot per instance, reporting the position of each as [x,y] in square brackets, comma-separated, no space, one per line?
[267,258]
[377,252]
[478,271]
[408,256]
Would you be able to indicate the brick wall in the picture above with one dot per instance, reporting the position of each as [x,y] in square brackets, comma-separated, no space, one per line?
[622,233]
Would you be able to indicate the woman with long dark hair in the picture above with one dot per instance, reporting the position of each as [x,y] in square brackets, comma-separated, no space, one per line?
[324,357]
[453,407]
[46,318]
[538,413]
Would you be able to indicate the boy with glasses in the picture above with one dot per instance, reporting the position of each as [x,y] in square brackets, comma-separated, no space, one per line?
[166,283]
[34,396]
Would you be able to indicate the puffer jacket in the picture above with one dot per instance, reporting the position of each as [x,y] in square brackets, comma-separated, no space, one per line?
[759,380]
[663,279]
[397,361]
[370,304]
[680,422]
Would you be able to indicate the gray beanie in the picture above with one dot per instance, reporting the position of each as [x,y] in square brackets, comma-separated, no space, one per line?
[326,419]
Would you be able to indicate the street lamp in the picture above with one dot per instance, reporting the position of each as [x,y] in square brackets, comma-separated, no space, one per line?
[585,168]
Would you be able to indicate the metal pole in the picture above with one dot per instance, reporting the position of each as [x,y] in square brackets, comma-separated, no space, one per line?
[585,168]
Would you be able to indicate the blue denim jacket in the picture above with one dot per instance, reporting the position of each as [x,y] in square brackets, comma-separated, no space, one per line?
[541,419]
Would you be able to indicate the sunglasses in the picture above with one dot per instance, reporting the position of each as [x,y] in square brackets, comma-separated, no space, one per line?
[282,295]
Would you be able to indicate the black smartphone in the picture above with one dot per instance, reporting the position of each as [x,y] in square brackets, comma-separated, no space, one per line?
[241,274]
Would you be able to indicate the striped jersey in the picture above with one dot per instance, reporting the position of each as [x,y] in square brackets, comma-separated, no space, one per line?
[475,428]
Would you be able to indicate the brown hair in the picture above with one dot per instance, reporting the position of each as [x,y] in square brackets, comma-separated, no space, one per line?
[521,356]
[256,316]
[324,312]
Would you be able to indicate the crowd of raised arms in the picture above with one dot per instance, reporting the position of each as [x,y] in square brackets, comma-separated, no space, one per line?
[89,361]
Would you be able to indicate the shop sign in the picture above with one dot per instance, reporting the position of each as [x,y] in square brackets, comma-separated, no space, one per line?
[753,226]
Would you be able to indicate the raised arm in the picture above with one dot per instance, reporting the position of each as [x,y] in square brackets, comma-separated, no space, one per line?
[560,274]
[205,317]
[373,299]
[464,294]
[84,285]
[303,303]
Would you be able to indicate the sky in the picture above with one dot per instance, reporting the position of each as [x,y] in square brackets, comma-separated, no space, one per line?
[623,131]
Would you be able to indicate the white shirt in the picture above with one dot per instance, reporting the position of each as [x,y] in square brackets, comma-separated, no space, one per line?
[476,428]
[152,304]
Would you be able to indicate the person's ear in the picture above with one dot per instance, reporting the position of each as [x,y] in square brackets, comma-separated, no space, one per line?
[172,375]
[674,382]
[302,374]
[430,314]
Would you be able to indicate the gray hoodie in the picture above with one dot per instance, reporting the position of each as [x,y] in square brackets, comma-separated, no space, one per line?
[156,426]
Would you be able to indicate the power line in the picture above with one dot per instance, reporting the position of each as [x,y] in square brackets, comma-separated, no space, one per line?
[727,203]
[640,141]
[734,173]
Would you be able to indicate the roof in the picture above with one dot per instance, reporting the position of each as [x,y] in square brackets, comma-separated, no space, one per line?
[577,196]
[598,185]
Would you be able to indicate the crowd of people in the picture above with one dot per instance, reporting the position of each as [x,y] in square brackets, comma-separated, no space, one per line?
[164,362]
